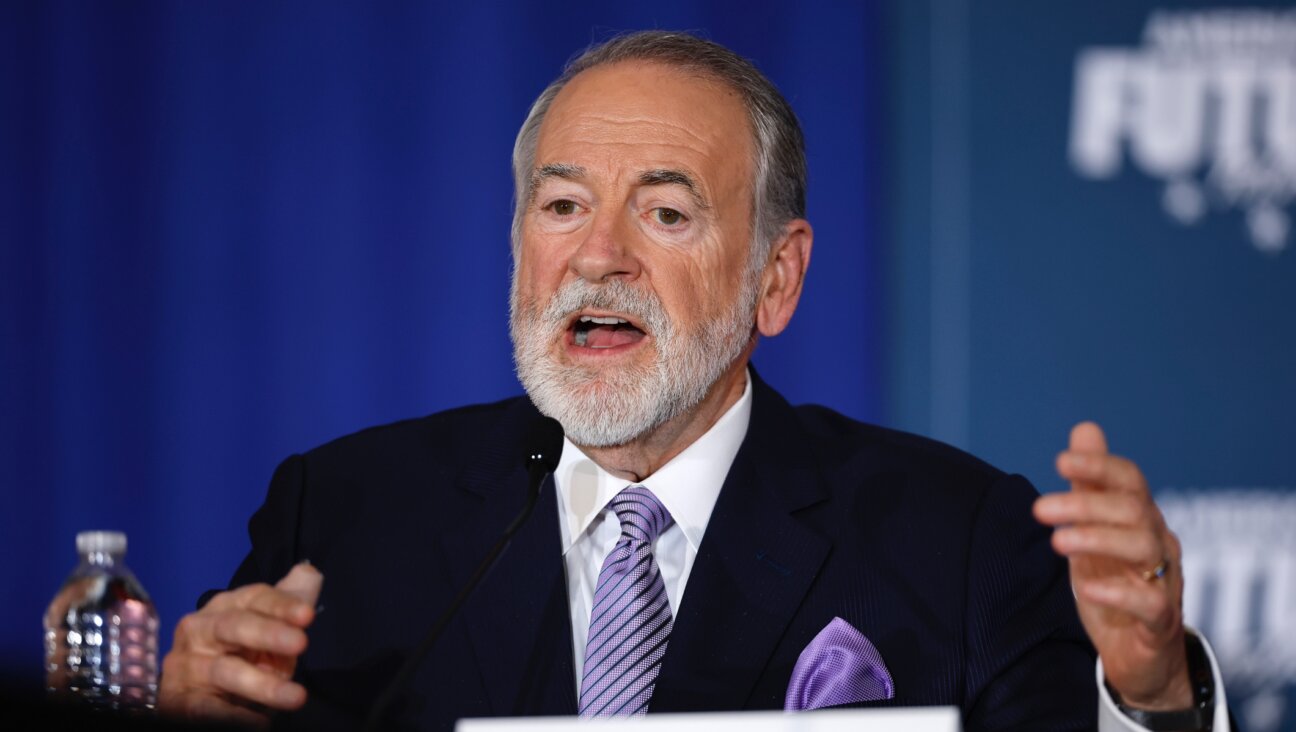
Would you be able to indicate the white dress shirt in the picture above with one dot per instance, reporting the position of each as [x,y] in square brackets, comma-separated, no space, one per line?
[688,487]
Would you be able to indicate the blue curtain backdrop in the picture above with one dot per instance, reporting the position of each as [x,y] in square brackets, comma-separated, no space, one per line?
[235,230]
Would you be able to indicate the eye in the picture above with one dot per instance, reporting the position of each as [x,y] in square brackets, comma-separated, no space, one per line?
[668,216]
[563,207]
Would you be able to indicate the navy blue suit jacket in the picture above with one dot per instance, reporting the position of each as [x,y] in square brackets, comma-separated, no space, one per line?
[930,553]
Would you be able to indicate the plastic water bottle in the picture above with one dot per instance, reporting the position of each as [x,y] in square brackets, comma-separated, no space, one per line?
[101,632]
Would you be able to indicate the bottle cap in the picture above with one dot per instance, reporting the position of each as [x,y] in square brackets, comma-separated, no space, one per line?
[107,542]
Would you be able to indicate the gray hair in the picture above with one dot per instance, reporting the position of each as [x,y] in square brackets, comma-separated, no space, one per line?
[778,191]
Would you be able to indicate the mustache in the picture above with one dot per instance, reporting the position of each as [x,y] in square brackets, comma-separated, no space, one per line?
[616,296]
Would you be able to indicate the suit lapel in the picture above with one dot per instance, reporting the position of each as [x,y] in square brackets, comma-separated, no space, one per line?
[755,565]
[519,620]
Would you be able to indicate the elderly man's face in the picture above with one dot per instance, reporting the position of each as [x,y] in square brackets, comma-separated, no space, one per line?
[632,292]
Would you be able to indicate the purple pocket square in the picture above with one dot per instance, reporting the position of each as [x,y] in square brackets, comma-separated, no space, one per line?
[840,666]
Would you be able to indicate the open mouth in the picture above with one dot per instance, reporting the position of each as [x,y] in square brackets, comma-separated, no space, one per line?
[594,331]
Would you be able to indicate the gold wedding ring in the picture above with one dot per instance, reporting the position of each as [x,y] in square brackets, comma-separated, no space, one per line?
[1157,572]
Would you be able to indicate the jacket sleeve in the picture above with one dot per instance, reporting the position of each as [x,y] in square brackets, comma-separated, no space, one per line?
[274,529]
[1030,664]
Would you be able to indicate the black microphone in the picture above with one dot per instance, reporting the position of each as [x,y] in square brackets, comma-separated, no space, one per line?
[543,447]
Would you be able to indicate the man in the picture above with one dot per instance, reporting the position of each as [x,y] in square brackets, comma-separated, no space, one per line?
[659,229]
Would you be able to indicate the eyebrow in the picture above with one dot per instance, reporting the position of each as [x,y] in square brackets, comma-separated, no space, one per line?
[662,177]
[655,177]
[552,170]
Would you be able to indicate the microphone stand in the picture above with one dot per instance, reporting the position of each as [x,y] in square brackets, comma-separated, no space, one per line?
[541,463]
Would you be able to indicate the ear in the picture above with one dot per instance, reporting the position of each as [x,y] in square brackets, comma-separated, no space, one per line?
[783,277]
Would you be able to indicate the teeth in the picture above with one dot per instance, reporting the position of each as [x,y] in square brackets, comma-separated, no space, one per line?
[581,336]
[603,321]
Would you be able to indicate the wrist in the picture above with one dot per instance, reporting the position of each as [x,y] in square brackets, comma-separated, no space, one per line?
[1197,711]
[1178,694]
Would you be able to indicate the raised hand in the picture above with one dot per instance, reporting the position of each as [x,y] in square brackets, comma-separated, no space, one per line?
[1124,569]
[233,660]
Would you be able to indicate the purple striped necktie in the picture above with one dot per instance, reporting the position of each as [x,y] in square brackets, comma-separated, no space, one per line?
[631,618]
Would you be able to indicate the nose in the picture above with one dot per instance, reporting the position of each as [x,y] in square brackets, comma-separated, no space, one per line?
[606,252]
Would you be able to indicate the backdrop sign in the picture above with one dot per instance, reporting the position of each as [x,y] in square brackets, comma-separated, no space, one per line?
[1093,222]
[1206,105]
[1240,589]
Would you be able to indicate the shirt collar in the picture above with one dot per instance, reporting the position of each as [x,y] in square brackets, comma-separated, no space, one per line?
[687,486]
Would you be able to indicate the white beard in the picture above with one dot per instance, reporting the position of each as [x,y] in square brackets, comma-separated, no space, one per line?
[602,408]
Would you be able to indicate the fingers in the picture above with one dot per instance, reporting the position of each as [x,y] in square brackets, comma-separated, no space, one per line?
[238,652]
[1111,513]
[1122,509]
[1121,526]
[302,582]
[1137,546]
[242,680]
[1087,464]
[290,606]
[250,631]
[238,630]
[1101,471]
[233,678]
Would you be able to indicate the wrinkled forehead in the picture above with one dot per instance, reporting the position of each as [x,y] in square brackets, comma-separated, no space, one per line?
[641,112]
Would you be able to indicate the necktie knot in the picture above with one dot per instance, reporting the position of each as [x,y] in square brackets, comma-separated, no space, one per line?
[642,516]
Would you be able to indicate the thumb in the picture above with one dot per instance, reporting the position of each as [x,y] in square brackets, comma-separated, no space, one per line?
[1086,439]
[303,582]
